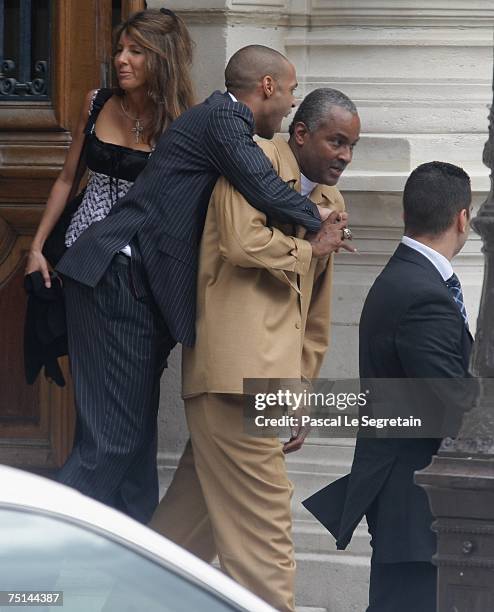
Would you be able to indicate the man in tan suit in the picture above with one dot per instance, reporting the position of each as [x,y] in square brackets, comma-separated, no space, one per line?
[263,311]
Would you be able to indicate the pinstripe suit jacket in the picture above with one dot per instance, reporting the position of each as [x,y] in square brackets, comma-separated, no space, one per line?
[164,211]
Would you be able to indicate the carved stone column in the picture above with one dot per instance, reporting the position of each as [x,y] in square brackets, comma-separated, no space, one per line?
[460,480]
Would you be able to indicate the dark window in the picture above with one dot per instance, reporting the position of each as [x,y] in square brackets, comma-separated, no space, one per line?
[116,14]
[25,36]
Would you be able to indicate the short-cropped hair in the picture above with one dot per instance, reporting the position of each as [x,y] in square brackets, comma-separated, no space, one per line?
[434,194]
[316,106]
[250,64]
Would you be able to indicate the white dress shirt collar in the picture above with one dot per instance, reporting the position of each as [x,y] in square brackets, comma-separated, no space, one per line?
[306,185]
[441,263]
[232,96]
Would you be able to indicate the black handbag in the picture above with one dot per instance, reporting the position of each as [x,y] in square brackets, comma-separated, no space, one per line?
[54,246]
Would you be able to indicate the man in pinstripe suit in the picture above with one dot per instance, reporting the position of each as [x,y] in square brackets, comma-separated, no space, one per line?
[263,312]
[153,305]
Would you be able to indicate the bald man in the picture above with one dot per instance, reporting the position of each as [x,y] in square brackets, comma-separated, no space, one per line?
[264,296]
[162,218]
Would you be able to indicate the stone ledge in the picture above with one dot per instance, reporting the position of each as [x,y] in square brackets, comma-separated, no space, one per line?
[309,536]
[392,37]
[405,12]
[390,182]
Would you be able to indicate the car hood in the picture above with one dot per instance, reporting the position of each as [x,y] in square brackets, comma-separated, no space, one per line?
[24,490]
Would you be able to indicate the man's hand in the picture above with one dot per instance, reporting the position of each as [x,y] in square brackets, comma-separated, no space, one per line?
[330,237]
[298,433]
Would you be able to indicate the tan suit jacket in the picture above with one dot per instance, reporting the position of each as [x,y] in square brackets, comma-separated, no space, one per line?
[263,302]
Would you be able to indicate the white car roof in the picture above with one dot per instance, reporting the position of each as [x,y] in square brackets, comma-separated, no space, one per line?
[25,490]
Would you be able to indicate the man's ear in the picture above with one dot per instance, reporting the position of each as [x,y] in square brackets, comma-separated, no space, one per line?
[300,131]
[463,220]
[268,85]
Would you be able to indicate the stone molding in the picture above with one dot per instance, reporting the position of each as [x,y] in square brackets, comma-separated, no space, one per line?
[393,36]
[452,561]
[421,13]
[445,525]
[260,17]
[428,14]
[259,4]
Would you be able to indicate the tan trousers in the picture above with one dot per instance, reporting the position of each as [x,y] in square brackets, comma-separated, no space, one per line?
[230,496]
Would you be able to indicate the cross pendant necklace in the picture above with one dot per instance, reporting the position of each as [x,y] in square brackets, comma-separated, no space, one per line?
[138,129]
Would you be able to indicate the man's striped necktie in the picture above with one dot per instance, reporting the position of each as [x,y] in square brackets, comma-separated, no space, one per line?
[454,285]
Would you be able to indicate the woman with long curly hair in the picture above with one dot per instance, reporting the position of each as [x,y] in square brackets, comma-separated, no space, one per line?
[118,343]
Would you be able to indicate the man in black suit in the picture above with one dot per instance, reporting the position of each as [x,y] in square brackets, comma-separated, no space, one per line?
[152,306]
[413,326]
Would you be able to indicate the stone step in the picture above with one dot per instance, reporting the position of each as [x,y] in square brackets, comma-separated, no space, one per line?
[314,467]
[311,536]
[321,455]
[329,583]
[327,580]
[306,484]
[335,582]
[309,473]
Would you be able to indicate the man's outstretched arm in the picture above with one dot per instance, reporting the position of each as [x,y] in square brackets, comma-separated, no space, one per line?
[236,156]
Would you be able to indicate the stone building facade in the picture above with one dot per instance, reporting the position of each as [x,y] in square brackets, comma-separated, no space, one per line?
[420,74]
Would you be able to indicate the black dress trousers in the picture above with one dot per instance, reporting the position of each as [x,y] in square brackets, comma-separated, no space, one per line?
[118,346]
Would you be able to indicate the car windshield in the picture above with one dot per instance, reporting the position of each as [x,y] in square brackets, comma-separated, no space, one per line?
[94,572]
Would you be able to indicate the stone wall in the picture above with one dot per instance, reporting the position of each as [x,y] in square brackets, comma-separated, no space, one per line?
[420,73]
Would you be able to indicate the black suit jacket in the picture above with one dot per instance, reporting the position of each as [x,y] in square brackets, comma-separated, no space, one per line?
[410,328]
[164,211]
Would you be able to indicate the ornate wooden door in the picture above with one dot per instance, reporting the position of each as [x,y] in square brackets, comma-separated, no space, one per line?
[51,53]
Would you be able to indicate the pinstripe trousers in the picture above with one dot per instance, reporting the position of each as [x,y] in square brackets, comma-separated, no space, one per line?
[118,346]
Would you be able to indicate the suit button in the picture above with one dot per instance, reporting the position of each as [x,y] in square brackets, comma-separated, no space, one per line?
[297,325]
